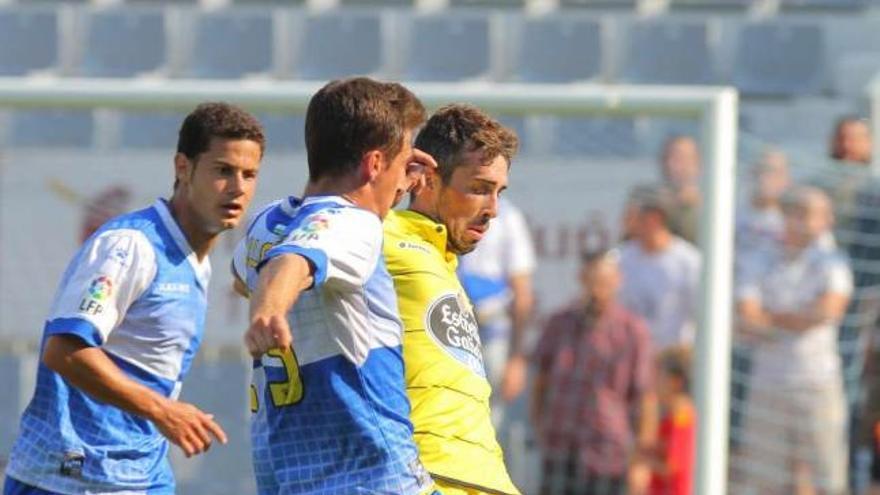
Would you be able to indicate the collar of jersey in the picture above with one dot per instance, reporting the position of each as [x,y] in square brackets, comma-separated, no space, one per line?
[428,230]
[202,268]
[327,198]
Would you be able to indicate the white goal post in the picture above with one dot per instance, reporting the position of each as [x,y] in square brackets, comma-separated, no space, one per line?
[715,107]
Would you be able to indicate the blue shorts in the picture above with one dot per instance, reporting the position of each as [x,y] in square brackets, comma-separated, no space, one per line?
[15,487]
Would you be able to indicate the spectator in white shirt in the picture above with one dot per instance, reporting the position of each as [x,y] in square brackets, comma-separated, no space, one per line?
[790,303]
[660,270]
[759,222]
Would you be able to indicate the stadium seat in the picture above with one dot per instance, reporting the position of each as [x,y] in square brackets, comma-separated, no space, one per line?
[150,130]
[853,72]
[488,3]
[559,49]
[124,43]
[28,41]
[339,44]
[831,5]
[51,128]
[599,137]
[780,59]
[668,53]
[711,5]
[230,44]
[447,47]
[625,4]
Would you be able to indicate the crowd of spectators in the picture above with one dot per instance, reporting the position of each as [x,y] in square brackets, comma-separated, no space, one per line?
[610,403]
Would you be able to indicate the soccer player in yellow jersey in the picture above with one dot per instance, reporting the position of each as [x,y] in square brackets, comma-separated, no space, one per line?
[445,379]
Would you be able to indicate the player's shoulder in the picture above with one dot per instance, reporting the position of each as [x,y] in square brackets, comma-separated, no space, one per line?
[273,219]
[133,232]
[403,245]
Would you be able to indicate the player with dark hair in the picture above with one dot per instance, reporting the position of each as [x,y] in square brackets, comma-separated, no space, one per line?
[445,377]
[331,414]
[126,322]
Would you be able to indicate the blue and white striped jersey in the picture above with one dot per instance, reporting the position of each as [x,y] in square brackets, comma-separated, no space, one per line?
[332,417]
[137,290]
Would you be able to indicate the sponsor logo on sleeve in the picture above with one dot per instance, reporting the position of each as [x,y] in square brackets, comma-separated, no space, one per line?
[452,324]
[100,289]
[312,230]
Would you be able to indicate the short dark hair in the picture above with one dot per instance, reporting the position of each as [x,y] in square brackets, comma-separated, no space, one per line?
[348,117]
[654,198]
[221,120]
[676,362]
[456,129]
[590,257]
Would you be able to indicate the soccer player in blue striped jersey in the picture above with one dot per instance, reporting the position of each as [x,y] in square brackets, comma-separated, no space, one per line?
[331,414]
[126,322]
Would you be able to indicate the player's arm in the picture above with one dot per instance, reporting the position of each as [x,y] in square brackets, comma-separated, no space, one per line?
[282,279]
[89,369]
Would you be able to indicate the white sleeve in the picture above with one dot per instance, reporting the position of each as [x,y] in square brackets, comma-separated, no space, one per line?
[520,252]
[839,279]
[105,277]
[342,244]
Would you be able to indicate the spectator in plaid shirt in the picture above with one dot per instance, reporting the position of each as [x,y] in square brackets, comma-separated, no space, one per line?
[593,403]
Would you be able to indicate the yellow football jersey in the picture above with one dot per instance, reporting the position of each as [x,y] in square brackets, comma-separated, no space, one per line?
[445,379]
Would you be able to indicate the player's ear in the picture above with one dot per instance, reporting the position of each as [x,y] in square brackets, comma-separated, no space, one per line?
[183,167]
[372,164]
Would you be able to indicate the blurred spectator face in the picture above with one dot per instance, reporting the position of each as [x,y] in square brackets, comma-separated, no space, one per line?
[852,141]
[648,221]
[808,215]
[681,162]
[600,281]
[771,176]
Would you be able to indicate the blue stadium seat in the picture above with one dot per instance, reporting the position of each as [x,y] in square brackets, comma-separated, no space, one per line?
[780,59]
[124,43]
[51,128]
[230,44]
[447,47]
[597,136]
[711,5]
[559,49]
[832,5]
[142,130]
[668,53]
[624,4]
[488,3]
[28,41]
[339,44]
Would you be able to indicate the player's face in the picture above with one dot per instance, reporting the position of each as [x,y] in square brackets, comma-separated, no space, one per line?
[220,183]
[470,200]
[393,182]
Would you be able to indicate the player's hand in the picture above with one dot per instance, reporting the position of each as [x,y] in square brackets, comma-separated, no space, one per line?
[417,170]
[188,427]
[267,332]
[514,380]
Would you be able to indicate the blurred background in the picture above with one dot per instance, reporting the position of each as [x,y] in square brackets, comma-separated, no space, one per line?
[582,184]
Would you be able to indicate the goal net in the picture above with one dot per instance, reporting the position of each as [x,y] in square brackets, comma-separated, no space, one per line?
[79,151]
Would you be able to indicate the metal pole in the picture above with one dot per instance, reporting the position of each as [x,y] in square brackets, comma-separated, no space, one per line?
[713,342]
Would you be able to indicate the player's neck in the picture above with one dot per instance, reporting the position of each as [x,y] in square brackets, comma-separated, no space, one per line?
[199,240]
[353,190]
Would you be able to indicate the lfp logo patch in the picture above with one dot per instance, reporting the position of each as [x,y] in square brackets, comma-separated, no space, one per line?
[101,288]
